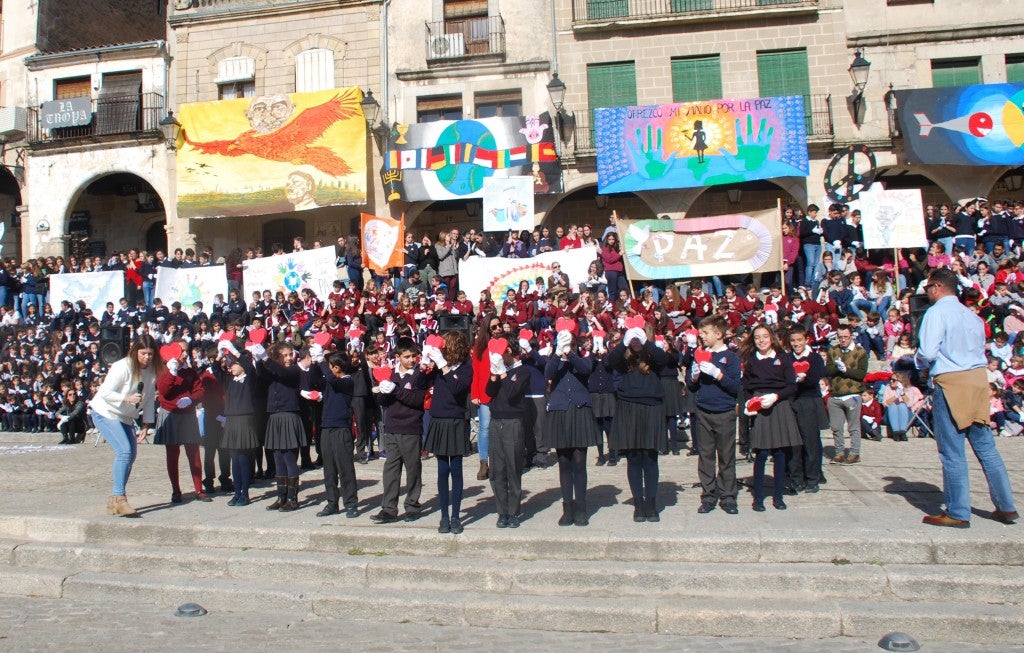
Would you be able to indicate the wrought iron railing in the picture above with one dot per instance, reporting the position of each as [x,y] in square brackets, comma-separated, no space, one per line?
[818,114]
[111,115]
[465,37]
[604,10]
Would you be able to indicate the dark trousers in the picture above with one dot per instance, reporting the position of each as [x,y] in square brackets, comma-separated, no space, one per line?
[804,466]
[403,452]
[73,431]
[362,409]
[716,464]
[779,468]
[336,449]
[211,456]
[533,425]
[507,457]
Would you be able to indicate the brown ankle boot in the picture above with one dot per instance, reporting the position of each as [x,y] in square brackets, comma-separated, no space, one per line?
[293,495]
[122,508]
[484,472]
[282,493]
[111,510]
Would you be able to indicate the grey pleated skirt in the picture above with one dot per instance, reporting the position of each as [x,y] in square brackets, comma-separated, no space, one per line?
[284,431]
[603,404]
[240,433]
[638,426]
[178,428]
[448,436]
[775,427]
[672,396]
[572,428]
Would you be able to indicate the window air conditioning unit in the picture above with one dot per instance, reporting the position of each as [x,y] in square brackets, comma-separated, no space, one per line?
[447,45]
[13,123]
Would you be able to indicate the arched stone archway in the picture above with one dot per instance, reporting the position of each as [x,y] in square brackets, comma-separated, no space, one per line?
[584,205]
[10,198]
[112,212]
[741,198]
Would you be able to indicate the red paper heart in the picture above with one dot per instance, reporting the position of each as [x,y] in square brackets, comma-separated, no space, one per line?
[771,307]
[635,321]
[565,324]
[258,336]
[171,351]
[323,338]
[702,356]
[659,338]
[435,341]
[753,405]
[314,395]
[227,335]
[381,373]
[526,334]
[497,346]
[354,334]
[801,367]
[596,333]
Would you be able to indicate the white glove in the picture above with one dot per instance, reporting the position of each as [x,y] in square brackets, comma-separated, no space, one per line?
[709,368]
[62,421]
[545,350]
[856,244]
[695,371]
[800,377]
[258,352]
[817,230]
[768,400]
[563,340]
[438,359]
[184,402]
[312,395]
[661,344]
[223,420]
[841,366]
[173,366]
[226,347]
[524,345]
[837,244]
[674,313]
[497,364]
[386,386]
[634,333]
[428,352]
[691,341]
[599,345]
[316,353]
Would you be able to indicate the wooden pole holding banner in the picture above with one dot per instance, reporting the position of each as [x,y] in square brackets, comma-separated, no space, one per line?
[782,249]
[625,263]
[896,271]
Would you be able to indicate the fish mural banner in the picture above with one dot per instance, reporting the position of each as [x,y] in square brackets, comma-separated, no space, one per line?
[96,288]
[697,144]
[499,275]
[508,204]
[383,242]
[451,159]
[315,269]
[191,285]
[979,125]
[271,154]
[702,247]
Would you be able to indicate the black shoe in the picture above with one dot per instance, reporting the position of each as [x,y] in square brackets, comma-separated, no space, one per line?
[384,518]
[209,487]
[202,496]
[330,509]
[612,462]
[412,514]
[705,507]
[779,504]
[692,452]
[675,452]
[227,486]
[362,459]
[730,508]
[502,521]
[352,513]
[580,514]
[601,460]
[567,517]
[638,511]
[445,526]
[812,489]
[176,497]
[758,506]
[456,526]
[790,491]
[652,511]
[513,521]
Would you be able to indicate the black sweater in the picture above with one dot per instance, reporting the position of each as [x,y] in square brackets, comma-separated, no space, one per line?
[337,410]
[403,408]
[451,391]
[635,386]
[239,397]
[508,395]
[763,376]
[283,389]
[810,388]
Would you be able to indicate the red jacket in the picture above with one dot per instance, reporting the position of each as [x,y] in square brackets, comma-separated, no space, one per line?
[170,388]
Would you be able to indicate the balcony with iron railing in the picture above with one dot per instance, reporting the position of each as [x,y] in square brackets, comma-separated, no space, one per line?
[596,14]
[473,38]
[113,118]
[817,119]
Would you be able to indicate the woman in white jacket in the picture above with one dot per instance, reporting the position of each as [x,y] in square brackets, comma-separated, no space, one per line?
[128,390]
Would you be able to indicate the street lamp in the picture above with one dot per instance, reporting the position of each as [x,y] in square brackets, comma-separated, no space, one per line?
[371,111]
[171,128]
[859,70]
[556,89]
[564,121]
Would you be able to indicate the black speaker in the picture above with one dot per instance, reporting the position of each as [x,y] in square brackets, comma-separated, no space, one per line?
[453,322]
[114,343]
[918,305]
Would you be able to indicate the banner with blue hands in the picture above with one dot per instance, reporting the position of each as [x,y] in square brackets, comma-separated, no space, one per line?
[696,144]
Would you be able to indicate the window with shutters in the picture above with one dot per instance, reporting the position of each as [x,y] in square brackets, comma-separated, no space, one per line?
[696,78]
[119,105]
[784,72]
[1015,68]
[502,103]
[956,72]
[314,70]
[599,9]
[608,85]
[439,107]
[65,89]
[236,78]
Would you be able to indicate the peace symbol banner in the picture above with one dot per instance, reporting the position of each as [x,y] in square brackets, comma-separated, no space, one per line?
[383,242]
[702,247]
[315,269]
[696,144]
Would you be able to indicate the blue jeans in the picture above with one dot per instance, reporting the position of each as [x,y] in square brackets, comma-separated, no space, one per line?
[3,295]
[948,244]
[967,242]
[149,292]
[483,434]
[121,438]
[858,306]
[956,489]
[812,256]
[898,416]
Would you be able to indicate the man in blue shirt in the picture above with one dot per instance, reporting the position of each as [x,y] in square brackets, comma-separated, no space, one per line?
[952,348]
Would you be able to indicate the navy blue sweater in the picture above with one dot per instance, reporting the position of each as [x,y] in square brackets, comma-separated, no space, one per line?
[716,396]
[568,381]
[634,385]
[536,364]
[239,397]
[509,394]
[403,408]
[810,388]
[337,412]
[601,380]
[451,391]
[283,388]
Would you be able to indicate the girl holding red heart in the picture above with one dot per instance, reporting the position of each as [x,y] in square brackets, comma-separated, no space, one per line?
[770,381]
[179,389]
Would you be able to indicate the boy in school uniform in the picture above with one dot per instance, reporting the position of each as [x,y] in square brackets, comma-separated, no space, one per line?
[507,384]
[331,376]
[715,380]
[402,397]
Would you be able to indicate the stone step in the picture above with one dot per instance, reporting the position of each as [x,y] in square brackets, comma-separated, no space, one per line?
[647,542]
[367,570]
[703,616]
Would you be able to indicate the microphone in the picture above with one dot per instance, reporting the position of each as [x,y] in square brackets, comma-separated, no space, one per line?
[139,389]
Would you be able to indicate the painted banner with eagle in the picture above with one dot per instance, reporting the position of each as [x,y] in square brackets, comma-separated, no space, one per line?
[271,154]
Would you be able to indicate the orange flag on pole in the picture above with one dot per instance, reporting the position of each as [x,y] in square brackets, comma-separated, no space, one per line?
[383,242]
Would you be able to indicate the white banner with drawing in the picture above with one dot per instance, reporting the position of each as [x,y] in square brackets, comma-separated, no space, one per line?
[96,288]
[313,268]
[191,285]
[499,275]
